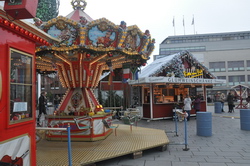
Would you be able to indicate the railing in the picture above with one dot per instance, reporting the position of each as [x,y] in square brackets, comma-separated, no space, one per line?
[69,139]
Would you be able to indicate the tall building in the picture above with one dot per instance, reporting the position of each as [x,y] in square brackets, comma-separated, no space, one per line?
[227,55]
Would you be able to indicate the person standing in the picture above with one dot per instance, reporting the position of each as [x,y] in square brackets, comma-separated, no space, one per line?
[222,100]
[197,103]
[187,105]
[230,101]
[42,105]
[57,101]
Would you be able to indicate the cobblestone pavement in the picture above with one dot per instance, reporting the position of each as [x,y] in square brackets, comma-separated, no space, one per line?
[228,145]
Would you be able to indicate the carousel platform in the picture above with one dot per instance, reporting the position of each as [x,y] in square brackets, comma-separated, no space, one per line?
[125,142]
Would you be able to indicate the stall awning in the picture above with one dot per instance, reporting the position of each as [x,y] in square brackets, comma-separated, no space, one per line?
[153,80]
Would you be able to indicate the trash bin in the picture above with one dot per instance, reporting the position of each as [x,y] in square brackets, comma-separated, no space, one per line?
[204,124]
[217,107]
[245,119]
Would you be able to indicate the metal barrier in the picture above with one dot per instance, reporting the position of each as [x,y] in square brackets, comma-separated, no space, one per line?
[184,115]
[69,139]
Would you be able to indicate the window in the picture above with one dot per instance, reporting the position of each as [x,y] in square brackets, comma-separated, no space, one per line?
[217,66]
[236,80]
[221,77]
[236,66]
[20,86]
[248,64]
[54,81]
[248,79]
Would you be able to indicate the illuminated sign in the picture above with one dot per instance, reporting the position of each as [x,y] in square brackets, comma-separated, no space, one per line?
[196,73]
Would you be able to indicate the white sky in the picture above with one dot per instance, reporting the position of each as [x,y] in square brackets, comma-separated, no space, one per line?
[210,16]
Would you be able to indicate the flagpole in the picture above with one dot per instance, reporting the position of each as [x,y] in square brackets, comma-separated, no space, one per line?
[183,24]
[193,24]
[174,26]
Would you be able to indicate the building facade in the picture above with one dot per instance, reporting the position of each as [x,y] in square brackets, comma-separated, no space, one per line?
[227,55]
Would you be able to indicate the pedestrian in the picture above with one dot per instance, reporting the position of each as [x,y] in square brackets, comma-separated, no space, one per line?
[42,106]
[187,105]
[57,100]
[230,101]
[248,102]
[222,100]
[197,104]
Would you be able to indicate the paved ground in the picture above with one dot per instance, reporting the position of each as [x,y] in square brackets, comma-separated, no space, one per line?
[228,145]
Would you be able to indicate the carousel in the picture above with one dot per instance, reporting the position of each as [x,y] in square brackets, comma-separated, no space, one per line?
[86,49]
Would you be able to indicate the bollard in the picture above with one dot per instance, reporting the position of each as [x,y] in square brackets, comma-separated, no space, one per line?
[176,123]
[217,107]
[186,137]
[245,119]
[204,124]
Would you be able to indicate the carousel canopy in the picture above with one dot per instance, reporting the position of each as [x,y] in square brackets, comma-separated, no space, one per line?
[88,47]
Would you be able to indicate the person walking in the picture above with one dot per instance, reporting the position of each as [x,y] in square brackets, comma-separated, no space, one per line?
[42,106]
[187,105]
[222,100]
[230,101]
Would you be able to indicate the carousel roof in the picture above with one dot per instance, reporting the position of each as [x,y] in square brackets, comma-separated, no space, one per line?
[174,63]
[76,14]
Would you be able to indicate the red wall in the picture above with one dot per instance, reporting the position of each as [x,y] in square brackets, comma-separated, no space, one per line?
[10,40]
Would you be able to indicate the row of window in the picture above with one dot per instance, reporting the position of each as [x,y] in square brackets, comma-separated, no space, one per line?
[169,51]
[231,66]
[207,38]
[234,80]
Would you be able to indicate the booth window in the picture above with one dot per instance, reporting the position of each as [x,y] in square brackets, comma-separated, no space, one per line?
[20,86]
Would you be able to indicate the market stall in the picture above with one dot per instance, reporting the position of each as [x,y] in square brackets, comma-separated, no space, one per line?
[166,81]
[17,85]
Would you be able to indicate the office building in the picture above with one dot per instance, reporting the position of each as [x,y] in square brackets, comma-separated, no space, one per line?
[227,55]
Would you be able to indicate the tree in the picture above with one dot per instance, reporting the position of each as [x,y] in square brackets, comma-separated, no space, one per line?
[47,9]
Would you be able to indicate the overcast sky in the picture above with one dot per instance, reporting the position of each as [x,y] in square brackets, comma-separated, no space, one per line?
[210,16]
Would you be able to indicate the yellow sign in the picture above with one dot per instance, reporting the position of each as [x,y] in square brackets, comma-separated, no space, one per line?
[193,74]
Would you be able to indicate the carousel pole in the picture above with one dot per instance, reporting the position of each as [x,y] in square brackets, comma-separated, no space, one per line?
[69,146]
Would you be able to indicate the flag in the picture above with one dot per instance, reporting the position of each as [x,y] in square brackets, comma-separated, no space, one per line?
[126,73]
[173,22]
[192,21]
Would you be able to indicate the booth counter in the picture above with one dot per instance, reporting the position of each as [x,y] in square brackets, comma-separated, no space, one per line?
[165,110]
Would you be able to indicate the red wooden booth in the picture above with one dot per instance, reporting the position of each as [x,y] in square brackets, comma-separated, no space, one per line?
[17,90]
